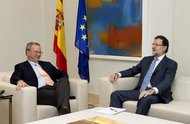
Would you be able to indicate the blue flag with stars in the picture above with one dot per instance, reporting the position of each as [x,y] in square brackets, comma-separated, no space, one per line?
[81,41]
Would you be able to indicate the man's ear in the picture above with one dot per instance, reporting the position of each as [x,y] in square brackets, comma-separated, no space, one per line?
[165,47]
[26,53]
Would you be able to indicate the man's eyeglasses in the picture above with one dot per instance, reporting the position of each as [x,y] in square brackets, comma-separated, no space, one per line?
[155,44]
[37,52]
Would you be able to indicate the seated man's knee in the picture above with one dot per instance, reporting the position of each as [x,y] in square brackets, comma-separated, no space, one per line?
[63,79]
[145,100]
[114,94]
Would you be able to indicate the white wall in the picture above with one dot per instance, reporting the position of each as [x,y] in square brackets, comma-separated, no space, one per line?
[181,36]
[22,21]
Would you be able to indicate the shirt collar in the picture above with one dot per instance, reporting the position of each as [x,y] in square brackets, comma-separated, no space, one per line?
[32,63]
[161,57]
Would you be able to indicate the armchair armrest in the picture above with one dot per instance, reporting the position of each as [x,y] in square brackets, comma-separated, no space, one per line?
[79,90]
[106,88]
[23,103]
[5,76]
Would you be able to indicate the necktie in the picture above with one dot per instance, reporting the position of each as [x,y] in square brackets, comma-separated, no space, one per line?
[148,75]
[48,79]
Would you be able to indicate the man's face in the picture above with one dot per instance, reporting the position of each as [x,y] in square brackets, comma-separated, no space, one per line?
[157,48]
[34,53]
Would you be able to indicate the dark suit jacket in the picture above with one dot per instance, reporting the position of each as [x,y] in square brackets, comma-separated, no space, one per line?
[162,76]
[24,71]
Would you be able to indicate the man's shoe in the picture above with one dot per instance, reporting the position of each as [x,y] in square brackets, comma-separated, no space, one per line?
[63,110]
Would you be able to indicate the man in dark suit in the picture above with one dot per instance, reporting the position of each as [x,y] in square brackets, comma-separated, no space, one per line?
[156,79]
[52,85]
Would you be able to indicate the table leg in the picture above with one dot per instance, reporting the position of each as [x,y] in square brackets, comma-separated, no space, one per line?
[10,111]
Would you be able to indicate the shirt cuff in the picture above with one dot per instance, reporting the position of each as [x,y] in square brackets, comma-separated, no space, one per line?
[156,90]
[119,74]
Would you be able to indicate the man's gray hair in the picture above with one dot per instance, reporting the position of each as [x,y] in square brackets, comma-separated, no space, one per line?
[29,45]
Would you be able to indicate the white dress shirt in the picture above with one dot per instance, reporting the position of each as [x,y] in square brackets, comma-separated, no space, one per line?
[41,79]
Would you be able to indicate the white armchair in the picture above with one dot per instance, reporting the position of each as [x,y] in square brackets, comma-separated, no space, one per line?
[24,107]
[106,88]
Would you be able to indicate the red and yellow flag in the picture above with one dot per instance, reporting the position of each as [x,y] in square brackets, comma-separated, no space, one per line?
[59,38]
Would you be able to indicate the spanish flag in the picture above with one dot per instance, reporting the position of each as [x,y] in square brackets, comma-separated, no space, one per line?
[59,38]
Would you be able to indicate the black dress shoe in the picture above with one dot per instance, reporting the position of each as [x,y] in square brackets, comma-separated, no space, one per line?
[63,110]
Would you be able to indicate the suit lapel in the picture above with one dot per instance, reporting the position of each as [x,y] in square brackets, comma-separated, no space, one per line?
[160,65]
[30,69]
[42,65]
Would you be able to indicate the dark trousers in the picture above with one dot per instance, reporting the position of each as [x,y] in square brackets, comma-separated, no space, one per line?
[143,105]
[56,95]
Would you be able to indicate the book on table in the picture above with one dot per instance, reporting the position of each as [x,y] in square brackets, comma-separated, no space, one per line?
[97,120]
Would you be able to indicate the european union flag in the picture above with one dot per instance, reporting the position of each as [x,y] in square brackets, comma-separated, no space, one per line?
[81,41]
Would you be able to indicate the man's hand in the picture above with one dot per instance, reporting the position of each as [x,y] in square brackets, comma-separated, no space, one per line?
[20,84]
[113,77]
[146,93]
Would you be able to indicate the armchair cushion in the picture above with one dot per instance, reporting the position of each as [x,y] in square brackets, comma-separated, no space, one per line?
[46,111]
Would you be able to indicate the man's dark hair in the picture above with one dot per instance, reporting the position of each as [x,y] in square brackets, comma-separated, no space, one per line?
[165,41]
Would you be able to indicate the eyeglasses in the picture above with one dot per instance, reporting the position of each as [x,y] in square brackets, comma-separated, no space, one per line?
[37,52]
[155,44]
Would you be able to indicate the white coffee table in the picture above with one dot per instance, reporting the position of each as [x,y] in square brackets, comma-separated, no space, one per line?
[127,117]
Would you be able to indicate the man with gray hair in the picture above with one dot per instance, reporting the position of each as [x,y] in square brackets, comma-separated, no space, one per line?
[52,85]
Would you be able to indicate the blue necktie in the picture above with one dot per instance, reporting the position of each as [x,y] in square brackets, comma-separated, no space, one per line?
[148,75]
